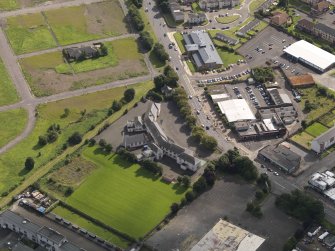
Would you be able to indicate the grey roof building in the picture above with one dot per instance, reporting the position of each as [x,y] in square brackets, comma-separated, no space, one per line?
[224,38]
[282,157]
[200,47]
[324,141]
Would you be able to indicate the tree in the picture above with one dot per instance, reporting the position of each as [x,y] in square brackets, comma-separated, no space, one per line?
[159,82]
[171,76]
[68,191]
[309,106]
[108,148]
[116,106]
[209,142]
[102,143]
[42,140]
[200,185]
[209,174]
[263,74]
[246,168]
[160,52]
[135,17]
[186,181]
[191,121]
[92,142]
[29,164]
[174,208]
[129,94]
[104,50]
[190,196]
[75,138]
[137,3]
[52,136]
[147,40]
[197,133]
[66,112]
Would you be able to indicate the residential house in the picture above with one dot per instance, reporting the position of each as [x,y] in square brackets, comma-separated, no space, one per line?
[81,53]
[324,141]
[320,7]
[135,125]
[196,18]
[201,50]
[177,11]
[134,140]
[325,32]
[280,18]
[46,237]
[311,2]
[217,4]
[305,25]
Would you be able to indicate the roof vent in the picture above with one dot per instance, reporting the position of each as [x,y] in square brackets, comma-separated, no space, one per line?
[24,222]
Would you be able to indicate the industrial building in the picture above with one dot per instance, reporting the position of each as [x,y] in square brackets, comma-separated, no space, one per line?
[324,141]
[311,55]
[228,237]
[281,157]
[202,51]
[322,181]
[236,110]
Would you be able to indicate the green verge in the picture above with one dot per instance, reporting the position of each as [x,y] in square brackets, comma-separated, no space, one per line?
[228,19]
[12,124]
[8,94]
[27,33]
[8,4]
[96,106]
[255,4]
[124,195]
[90,226]
[180,41]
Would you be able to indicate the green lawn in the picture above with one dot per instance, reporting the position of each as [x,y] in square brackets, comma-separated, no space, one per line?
[90,226]
[28,33]
[228,57]
[8,94]
[123,195]
[74,25]
[96,106]
[303,139]
[228,19]
[191,66]
[322,104]
[255,4]
[8,4]
[196,8]
[316,129]
[12,124]
[180,41]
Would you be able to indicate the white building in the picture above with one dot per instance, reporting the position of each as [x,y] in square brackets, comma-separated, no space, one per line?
[324,141]
[135,125]
[311,55]
[217,4]
[322,181]
[236,110]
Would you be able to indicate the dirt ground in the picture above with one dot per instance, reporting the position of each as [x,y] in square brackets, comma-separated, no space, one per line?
[228,198]
[48,82]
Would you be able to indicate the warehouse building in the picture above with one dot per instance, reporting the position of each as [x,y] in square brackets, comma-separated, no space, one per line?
[236,110]
[311,55]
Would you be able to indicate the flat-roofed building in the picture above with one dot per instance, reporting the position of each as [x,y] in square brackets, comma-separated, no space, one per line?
[305,80]
[236,110]
[311,55]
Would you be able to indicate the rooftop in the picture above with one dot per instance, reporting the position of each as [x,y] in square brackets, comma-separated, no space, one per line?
[311,54]
[23,223]
[51,235]
[324,137]
[236,110]
[301,80]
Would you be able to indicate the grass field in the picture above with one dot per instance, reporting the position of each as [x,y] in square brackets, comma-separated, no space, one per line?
[228,57]
[180,41]
[255,4]
[12,124]
[90,226]
[28,33]
[303,139]
[196,8]
[316,129]
[322,104]
[87,22]
[125,196]
[8,94]
[228,19]
[96,106]
[8,4]
[47,73]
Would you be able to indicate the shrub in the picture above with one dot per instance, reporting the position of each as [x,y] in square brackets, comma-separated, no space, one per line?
[75,138]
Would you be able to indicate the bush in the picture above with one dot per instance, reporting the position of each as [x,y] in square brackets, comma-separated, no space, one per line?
[147,40]
[92,142]
[52,136]
[129,94]
[160,52]
[263,74]
[200,185]
[190,196]
[116,105]
[29,163]
[152,167]
[75,138]
[42,140]
[102,143]
[174,208]
[68,191]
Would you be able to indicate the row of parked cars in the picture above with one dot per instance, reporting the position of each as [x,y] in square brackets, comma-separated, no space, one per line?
[219,79]
[252,96]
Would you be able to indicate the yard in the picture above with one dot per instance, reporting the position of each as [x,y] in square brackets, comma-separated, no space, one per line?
[90,226]
[123,195]
[303,139]
[328,119]
[12,124]
[8,4]
[95,106]
[47,73]
[316,129]
[322,104]
[27,33]
[8,94]
[228,57]
[227,19]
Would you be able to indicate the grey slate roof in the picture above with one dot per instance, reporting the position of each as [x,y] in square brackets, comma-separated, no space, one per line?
[325,29]
[205,52]
[189,158]
[68,246]
[23,223]
[22,247]
[225,38]
[325,136]
[130,139]
[51,235]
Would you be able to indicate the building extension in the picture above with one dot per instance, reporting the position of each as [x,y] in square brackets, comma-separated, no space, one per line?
[201,50]
[311,55]
[46,237]
[324,141]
